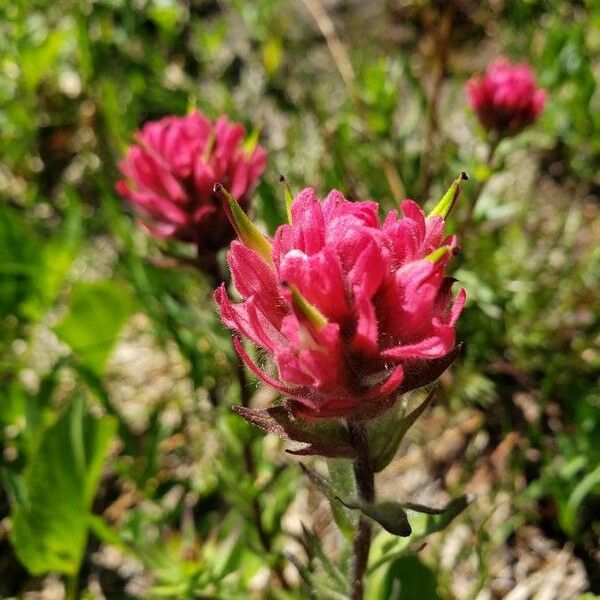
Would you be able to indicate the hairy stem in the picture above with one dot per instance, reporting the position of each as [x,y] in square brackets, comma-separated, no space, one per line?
[365,485]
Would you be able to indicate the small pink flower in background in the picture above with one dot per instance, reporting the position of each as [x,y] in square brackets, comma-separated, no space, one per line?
[170,171]
[506,98]
[351,311]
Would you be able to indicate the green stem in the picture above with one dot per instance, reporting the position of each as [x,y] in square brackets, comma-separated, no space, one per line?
[365,486]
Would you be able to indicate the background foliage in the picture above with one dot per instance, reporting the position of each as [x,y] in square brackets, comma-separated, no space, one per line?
[119,476]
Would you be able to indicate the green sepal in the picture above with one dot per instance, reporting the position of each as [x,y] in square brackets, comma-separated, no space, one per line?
[386,432]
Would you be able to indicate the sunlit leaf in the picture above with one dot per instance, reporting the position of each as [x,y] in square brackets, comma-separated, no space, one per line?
[97,311]
[50,520]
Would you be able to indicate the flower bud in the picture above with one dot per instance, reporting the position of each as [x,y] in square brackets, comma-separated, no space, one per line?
[170,172]
[506,99]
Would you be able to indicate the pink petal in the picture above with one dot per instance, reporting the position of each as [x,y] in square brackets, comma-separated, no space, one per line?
[431,347]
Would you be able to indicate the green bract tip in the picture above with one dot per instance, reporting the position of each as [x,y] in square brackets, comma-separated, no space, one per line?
[246,230]
[445,205]
[438,253]
[312,314]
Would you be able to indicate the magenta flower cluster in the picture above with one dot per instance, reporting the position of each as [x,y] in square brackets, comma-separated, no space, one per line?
[506,99]
[350,310]
[170,171]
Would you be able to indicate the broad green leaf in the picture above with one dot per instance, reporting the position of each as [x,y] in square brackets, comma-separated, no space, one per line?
[406,578]
[50,520]
[38,61]
[55,260]
[97,311]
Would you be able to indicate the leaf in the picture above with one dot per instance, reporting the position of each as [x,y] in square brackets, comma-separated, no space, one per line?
[19,254]
[424,522]
[38,61]
[342,478]
[50,522]
[407,578]
[390,515]
[55,260]
[315,549]
[570,513]
[96,314]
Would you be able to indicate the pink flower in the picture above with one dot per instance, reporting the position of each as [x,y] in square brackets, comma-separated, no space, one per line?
[172,168]
[506,98]
[351,311]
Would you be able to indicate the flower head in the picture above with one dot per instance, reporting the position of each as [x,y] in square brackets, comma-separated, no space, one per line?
[350,310]
[506,98]
[170,172]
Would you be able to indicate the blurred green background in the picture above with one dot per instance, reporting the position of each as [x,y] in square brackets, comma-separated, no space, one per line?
[119,479]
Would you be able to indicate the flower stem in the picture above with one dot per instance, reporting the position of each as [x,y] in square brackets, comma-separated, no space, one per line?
[365,485]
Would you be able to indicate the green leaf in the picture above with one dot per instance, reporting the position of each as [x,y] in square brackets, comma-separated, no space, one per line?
[38,61]
[406,578]
[50,520]
[570,513]
[55,260]
[390,515]
[423,521]
[315,547]
[342,477]
[97,311]
[19,254]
